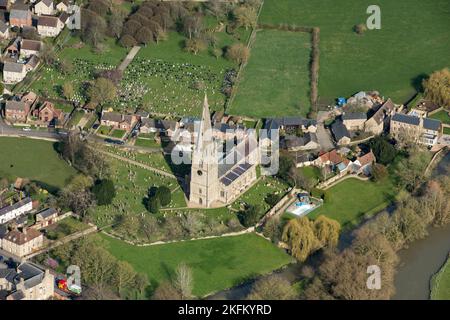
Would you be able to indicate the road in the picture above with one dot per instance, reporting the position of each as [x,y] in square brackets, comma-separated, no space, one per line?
[10,130]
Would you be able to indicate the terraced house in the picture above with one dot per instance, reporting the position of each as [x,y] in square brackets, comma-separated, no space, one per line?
[422,130]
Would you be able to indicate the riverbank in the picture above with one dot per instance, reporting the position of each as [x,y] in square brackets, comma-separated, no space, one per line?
[440,283]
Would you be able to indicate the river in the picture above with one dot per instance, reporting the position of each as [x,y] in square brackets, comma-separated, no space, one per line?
[418,263]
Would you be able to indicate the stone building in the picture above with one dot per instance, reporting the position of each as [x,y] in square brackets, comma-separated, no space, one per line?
[217,180]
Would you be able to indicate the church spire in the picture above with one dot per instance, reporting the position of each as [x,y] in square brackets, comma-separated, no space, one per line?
[204,134]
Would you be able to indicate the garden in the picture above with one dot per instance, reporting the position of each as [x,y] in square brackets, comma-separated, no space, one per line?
[442,116]
[275,81]
[352,199]
[386,59]
[36,160]
[64,228]
[217,264]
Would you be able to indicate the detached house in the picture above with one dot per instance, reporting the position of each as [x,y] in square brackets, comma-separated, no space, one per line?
[30,47]
[20,15]
[49,26]
[22,243]
[48,114]
[363,164]
[13,72]
[63,6]
[118,121]
[44,7]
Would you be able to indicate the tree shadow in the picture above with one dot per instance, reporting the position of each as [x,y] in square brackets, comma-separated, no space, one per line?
[416,82]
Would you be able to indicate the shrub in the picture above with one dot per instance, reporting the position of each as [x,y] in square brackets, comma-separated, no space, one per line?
[153,205]
[164,195]
[104,192]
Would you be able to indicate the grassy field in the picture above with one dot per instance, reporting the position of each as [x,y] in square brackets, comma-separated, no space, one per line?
[351,199]
[36,160]
[442,116]
[412,42]
[440,283]
[446,130]
[217,264]
[275,82]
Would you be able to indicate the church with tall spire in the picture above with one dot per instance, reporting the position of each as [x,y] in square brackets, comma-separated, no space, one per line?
[218,178]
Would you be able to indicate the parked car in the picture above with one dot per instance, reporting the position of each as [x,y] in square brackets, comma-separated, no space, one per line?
[26,129]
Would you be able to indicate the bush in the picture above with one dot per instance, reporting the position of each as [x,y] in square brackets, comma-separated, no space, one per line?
[127,41]
[272,199]
[249,216]
[153,205]
[379,172]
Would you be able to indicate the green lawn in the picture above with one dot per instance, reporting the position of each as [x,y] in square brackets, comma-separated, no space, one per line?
[440,283]
[412,42]
[118,133]
[275,82]
[446,130]
[104,130]
[36,160]
[351,199]
[217,264]
[311,172]
[75,118]
[442,116]
[148,143]
[65,227]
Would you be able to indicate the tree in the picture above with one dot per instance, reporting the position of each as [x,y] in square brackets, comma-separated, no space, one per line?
[299,235]
[272,199]
[76,195]
[68,90]
[66,67]
[48,55]
[238,53]
[272,229]
[250,215]
[383,150]
[192,25]
[164,195]
[194,45]
[379,172]
[102,91]
[153,205]
[437,88]
[127,41]
[360,28]
[327,231]
[93,27]
[411,171]
[183,281]
[216,52]
[149,226]
[272,288]
[115,21]
[124,275]
[144,35]
[104,192]
[166,291]
[245,16]
[128,225]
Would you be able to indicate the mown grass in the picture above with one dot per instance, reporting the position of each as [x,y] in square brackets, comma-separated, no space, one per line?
[275,82]
[36,160]
[217,264]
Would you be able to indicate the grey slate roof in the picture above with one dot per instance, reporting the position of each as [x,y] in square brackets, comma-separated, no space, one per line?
[431,124]
[47,213]
[10,66]
[48,3]
[406,118]
[48,21]
[3,27]
[339,130]
[112,116]
[16,205]
[28,44]
[354,116]
[19,11]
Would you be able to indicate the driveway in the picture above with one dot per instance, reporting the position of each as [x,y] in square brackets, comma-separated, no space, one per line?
[324,137]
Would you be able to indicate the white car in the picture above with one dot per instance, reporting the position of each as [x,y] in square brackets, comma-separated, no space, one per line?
[26,129]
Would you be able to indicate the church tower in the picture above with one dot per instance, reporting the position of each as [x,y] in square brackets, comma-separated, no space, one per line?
[204,185]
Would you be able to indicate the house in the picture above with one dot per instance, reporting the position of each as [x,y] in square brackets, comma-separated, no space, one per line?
[44,7]
[14,48]
[22,243]
[380,119]
[30,98]
[16,111]
[167,127]
[340,132]
[15,210]
[363,164]
[63,6]
[30,47]
[307,142]
[332,158]
[118,121]
[424,131]
[292,124]
[46,217]
[20,15]
[48,114]
[354,121]
[32,63]
[13,72]
[4,30]
[49,26]
[25,282]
